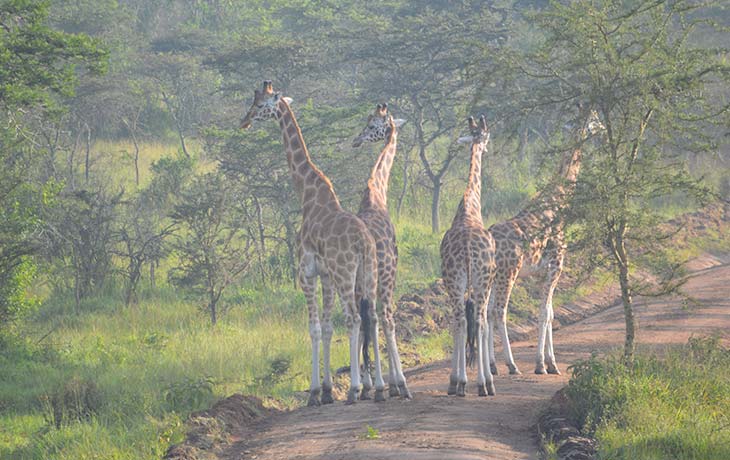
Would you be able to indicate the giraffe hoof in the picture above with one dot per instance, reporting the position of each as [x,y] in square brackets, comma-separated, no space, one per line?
[405,393]
[327,396]
[393,390]
[482,389]
[365,394]
[313,399]
[490,388]
[553,369]
[452,387]
[461,389]
[540,369]
[379,395]
[493,369]
[351,396]
[514,371]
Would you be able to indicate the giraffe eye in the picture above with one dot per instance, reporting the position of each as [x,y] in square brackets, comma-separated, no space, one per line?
[260,106]
[371,127]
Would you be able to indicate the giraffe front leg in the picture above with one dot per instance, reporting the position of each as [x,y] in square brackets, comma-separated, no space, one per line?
[397,381]
[353,322]
[545,328]
[375,339]
[491,320]
[328,302]
[501,301]
[485,381]
[309,284]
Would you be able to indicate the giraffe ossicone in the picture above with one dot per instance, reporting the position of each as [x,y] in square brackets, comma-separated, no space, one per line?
[334,246]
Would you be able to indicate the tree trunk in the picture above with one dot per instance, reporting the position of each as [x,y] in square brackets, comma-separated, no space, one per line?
[153,283]
[626,296]
[435,200]
[88,153]
[212,307]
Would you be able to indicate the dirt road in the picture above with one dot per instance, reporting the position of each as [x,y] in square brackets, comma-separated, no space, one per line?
[436,426]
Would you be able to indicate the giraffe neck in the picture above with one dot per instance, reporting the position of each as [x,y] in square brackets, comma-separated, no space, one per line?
[376,194]
[310,183]
[470,207]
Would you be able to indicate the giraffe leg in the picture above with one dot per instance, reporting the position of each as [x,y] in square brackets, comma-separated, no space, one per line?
[501,301]
[353,322]
[374,333]
[461,378]
[545,328]
[328,302]
[491,317]
[309,286]
[485,382]
[397,381]
[367,382]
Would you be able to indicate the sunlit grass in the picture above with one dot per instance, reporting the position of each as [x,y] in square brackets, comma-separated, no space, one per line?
[674,405]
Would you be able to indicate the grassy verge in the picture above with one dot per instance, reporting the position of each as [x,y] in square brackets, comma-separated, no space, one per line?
[105,381]
[670,406]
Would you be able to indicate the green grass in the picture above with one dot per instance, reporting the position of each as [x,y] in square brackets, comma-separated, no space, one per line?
[670,406]
[135,372]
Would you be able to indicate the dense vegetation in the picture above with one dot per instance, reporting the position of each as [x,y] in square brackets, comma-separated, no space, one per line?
[674,405]
[134,213]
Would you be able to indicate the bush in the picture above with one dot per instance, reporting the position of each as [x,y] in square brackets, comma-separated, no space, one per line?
[675,405]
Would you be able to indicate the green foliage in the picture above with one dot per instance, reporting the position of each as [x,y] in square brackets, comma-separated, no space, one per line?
[672,406]
[189,394]
[371,433]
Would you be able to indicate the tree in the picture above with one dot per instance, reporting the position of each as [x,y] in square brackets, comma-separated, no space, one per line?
[38,66]
[213,247]
[655,87]
[417,60]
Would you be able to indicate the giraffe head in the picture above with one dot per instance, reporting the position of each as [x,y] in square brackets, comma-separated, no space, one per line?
[591,122]
[378,126]
[478,132]
[264,107]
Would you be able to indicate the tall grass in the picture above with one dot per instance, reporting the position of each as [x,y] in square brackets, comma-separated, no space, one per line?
[670,406]
[134,372]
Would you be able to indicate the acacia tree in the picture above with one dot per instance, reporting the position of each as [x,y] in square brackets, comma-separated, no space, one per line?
[417,59]
[656,90]
[213,247]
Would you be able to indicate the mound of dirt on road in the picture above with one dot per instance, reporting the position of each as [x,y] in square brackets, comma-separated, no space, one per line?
[209,431]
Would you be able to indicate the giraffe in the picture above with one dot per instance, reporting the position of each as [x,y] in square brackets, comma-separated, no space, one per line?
[374,213]
[534,239]
[467,267]
[334,246]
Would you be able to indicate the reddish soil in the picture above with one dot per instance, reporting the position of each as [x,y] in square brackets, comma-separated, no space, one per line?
[436,426]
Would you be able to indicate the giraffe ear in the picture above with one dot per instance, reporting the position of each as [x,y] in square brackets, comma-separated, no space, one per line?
[288,100]
[465,139]
[398,122]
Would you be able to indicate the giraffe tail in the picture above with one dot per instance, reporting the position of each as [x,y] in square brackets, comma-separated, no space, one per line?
[365,305]
[471,333]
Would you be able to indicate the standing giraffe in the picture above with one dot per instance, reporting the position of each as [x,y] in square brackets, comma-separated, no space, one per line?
[536,236]
[334,245]
[467,267]
[374,213]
